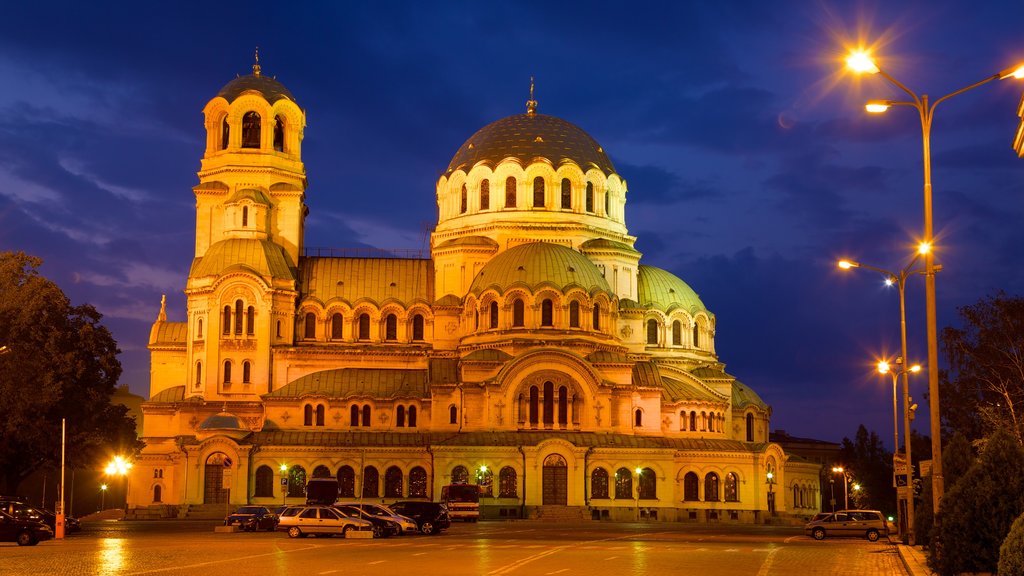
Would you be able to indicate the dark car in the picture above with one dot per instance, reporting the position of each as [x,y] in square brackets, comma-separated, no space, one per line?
[22,530]
[382,527]
[431,517]
[19,509]
[252,518]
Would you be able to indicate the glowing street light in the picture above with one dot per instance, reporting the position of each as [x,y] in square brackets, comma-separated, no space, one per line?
[103,497]
[846,486]
[862,62]
[284,484]
[120,466]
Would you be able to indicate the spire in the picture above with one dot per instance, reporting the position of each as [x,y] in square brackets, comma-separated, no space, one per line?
[163,309]
[256,66]
[531,104]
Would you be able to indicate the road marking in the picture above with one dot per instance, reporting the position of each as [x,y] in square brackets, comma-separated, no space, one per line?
[766,566]
[226,560]
[557,571]
[610,558]
[791,538]
[328,572]
[377,562]
[419,554]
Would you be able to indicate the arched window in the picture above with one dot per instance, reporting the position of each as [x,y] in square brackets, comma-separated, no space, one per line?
[595,322]
[199,329]
[251,130]
[321,471]
[278,328]
[624,483]
[199,373]
[320,415]
[566,194]
[307,415]
[460,475]
[538,192]
[648,488]
[371,482]
[227,371]
[732,494]
[366,415]
[245,216]
[590,197]
[750,427]
[354,415]
[453,414]
[549,403]
[507,483]
[238,316]
[391,327]
[677,333]
[346,482]
[337,326]
[574,314]
[250,321]
[464,200]
[393,482]
[227,320]
[510,192]
[485,194]
[157,493]
[493,315]
[693,421]
[417,327]
[412,416]
[534,401]
[364,326]
[563,406]
[264,484]
[225,133]
[400,416]
[638,418]
[309,330]
[296,481]
[607,204]
[278,134]
[711,487]
[652,331]
[546,313]
[518,312]
[417,483]
[246,372]
[691,487]
[696,335]
[599,483]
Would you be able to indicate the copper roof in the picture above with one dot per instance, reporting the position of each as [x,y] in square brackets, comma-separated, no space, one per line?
[529,136]
[357,382]
[379,279]
[539,264]
[269,87]
[664,291]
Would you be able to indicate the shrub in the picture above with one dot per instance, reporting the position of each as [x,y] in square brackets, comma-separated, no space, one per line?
[1011,553]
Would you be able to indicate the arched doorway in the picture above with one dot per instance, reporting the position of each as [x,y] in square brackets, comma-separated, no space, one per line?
[213,480]
[556,481]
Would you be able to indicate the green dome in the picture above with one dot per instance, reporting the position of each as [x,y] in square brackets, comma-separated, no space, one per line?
[539,264]
[663,290]
[263,257]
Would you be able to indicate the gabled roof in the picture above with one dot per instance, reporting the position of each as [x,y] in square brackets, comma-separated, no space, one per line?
[344,383]
[378,279]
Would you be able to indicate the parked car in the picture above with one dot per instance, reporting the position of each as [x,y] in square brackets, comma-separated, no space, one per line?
[406,525]
[382,527]
[24,531]
[299,521]
[869,524]
[252,518]
[430,517]
[20,509]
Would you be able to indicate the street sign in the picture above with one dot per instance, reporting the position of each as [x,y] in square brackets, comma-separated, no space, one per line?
[284,481]
[227,462]
[901,480]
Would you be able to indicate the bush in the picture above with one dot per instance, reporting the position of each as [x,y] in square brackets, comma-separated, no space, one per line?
[1011,553]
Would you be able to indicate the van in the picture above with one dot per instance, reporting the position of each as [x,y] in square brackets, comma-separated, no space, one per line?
[868,524]
[322,491]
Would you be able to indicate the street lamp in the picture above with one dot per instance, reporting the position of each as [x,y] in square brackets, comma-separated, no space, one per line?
[885,368]
[846,486]
[769,479]
[861,62]
[103,497]
[284,484]
[120,466]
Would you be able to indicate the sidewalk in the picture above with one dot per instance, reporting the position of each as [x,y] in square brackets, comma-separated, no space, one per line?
[913,559]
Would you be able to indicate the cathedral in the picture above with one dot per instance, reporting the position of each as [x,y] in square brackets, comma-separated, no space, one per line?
[532,353]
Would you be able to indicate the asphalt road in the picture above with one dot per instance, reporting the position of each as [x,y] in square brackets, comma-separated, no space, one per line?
[511,548]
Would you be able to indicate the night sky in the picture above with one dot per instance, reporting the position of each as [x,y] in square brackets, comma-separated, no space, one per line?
[750,161]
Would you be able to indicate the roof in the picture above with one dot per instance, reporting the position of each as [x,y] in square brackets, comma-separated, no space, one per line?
[606,244]
[673,390]
[343,383]
[172,394]
[222,421]
[743,396]
[646,375]
[603,356]
[268,87]
[354,279]
[536,264]
[663,290]
[256,196]
[171,333]
[468,241]
[488,355]
[263,257]
[526,137]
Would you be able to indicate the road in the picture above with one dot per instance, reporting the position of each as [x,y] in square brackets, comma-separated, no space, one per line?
[514,548]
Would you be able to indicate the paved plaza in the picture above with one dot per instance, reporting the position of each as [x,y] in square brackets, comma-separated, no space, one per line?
[488,548]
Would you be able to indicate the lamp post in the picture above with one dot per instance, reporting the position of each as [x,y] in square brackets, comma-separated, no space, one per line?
[284,484]
[639,480]
[861,62]
[103,497]
[769,479]
[885,368]
[846,486]
[120,467]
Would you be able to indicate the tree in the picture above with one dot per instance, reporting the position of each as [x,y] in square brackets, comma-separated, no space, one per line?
[869,465]
[976,513]
[60,363]
[957,458]
[984,388]
[1011,553]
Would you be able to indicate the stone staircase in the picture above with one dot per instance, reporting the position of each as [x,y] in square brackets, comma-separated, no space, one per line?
[207,511]
[560,514]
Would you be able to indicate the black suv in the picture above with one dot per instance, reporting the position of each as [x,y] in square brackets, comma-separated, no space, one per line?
[431,517]
[22,530]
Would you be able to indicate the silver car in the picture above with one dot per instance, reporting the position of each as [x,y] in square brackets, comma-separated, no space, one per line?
[408,525]
[868,524]
[299,521]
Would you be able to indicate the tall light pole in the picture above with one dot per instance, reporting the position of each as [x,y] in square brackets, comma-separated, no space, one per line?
[861,62]
[103,497]
[900,280]
[120,466]
[284,484]
[846,486]
[885,368]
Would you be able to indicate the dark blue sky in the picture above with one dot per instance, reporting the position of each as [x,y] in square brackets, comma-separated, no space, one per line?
[750,163]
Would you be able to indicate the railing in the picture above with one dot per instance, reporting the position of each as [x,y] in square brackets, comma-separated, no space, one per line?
[364,252]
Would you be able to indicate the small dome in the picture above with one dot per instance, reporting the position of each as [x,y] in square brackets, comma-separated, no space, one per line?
[263,257]
[222,421]
[270,88]
[663,290]
[529,136]
[536,264]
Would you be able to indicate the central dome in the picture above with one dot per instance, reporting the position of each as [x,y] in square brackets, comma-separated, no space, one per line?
[526,137]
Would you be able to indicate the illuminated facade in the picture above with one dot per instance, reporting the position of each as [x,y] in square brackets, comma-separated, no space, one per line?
[532,352]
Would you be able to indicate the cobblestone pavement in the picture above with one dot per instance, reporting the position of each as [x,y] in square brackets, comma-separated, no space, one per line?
[488,548]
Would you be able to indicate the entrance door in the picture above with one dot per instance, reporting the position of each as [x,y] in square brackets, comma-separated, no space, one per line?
[213,480]
[555,481]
